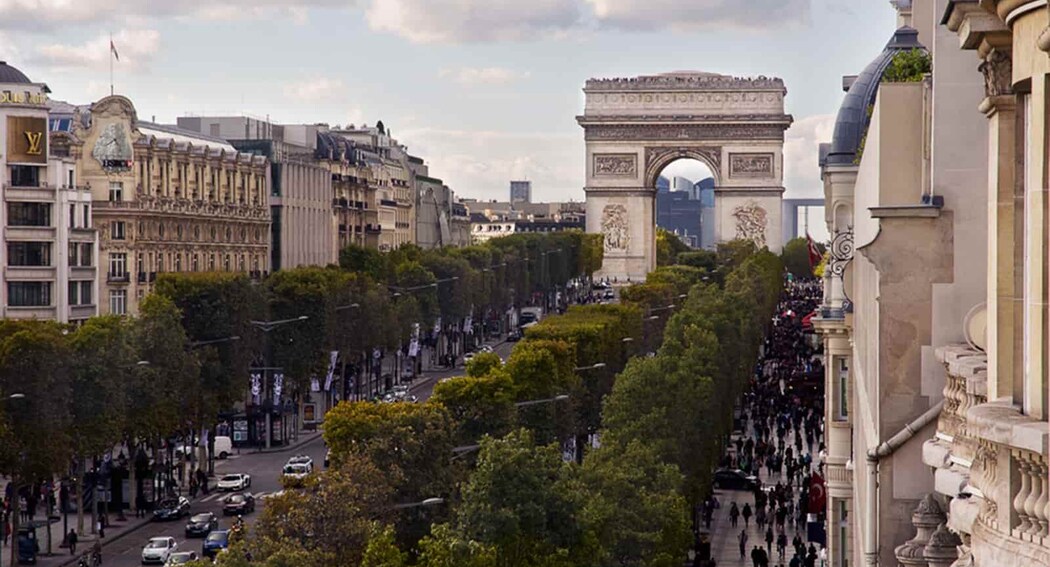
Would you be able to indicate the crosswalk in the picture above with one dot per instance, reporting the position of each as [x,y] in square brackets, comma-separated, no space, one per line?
[218,495]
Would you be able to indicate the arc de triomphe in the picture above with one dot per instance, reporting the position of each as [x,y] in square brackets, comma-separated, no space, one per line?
[635,127]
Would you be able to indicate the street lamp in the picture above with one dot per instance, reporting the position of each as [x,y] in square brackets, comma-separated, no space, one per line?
[266,327]
[347,307]
[197,344]
[595,366]
[558,398]
[423,504]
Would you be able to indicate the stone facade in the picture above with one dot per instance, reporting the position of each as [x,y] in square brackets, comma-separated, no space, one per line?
[636,127]
[167,200]
[50,245]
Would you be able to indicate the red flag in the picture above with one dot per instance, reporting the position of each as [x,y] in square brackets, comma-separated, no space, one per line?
[818,496]
[814,253]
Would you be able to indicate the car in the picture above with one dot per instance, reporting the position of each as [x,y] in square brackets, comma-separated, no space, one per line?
[514,336]
[172,509]
[159,550]
[484,348]
[301,460]
[468,357]
[216,542]
[295,472]
[239,503]
[180,558]
[201,525]
[609,294]
[735,479]
[233,482]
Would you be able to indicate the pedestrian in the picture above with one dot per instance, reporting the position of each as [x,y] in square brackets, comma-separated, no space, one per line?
[782,543]
[743,543]
[140,506]
[734,513]
[746,513]
[100,528]
[71,538]
[194,485]
[769,538]
[756,556]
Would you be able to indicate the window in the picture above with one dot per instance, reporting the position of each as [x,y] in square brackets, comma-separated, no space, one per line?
[117,230]
[86,290]
[25,176]
[28,253]
[140,263]
[160,263]
[211,262]
[87,254]
[226,263]
[80,293]
[118,264]
[29,294]
[118,301]
[86,221]
[196,263]
[72,216]
[842,524]
[69,181]
[841,388]
[178,262]
[74,253]
[116,191]
[29,214]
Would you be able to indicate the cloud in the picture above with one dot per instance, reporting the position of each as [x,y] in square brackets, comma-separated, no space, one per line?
[316,90]
[480,163]
[801,152]
[680,15]
[135,48]
[48,14]
[470,76]
[456,21]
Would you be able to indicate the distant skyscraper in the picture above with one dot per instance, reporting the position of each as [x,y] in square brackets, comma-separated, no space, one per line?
[520,191]
[663,184]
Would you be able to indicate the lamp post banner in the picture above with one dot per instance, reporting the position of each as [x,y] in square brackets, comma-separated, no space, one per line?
[256,387]
[278,385]
[333,357]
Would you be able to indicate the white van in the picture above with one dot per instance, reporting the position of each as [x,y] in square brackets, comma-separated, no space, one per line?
[223,448]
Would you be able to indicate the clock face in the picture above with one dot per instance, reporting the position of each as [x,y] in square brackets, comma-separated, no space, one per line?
[113,148]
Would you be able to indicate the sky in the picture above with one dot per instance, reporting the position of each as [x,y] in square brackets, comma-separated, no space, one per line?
[484,90]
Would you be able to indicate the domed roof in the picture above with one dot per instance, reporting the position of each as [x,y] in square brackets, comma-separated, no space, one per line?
[9,74]
[852,121]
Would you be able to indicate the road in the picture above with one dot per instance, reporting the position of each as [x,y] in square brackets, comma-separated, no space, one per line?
[425,388]
[265,469]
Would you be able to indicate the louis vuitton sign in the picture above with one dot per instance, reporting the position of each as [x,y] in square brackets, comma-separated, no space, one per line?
[26,139]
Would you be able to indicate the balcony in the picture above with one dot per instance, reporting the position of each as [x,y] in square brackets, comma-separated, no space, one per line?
[373,228]
[118,277]
[996,456]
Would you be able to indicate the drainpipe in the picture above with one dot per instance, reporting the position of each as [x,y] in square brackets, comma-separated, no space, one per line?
[871,544]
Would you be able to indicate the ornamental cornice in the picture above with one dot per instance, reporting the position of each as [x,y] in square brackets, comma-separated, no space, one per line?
[683,132]
[686,82]
[589,119]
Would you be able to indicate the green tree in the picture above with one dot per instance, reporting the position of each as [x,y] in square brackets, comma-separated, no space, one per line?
[479,405]
[520,501]
[483,363]
[362,260]
[668,247]
[795,257]
[382,550]
[634,508]
[444,548]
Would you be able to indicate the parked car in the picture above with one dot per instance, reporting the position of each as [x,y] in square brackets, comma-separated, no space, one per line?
[233,482]
[180,558]
[484,348]
[735,479]
[159,550]
[467,358]
[240,503]
[216,542]
[201,525]
[514,336]
[172,509]
[223,447]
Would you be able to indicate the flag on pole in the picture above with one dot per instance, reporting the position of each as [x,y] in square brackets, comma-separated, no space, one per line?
[113,50]
[814,253]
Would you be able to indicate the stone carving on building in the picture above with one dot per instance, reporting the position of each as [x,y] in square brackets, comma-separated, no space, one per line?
[656,158]
[927,516]
[997,69]
[686,81]
[615,227]
[751,222]
[685,132]
[943,548]
[751,165]
[615,165]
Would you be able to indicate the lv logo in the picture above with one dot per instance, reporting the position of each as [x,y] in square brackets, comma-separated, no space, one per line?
[34,139]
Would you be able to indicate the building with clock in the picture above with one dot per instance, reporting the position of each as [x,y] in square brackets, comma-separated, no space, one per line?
[165,199]
[50,246]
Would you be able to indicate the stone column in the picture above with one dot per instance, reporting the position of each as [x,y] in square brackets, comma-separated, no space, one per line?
[1000,107]
[928,515]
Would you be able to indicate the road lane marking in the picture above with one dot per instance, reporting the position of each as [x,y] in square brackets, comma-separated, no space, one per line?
[210,497]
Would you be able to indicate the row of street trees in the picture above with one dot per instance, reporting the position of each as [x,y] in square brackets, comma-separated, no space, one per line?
[478,475]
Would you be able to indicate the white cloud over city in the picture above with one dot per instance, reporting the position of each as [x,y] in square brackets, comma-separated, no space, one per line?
[699,14]
[472,76]
[453,21]
[135,49]
[801,147]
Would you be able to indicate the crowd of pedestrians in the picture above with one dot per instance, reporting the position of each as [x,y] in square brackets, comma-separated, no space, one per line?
[779,441]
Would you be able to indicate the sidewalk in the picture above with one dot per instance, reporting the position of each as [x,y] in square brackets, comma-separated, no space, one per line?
[116,530]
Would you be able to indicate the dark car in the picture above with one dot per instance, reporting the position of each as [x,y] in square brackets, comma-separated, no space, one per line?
[172,508]
[216,541]
[735,479]
[514,335]
[201,525]
[238,504]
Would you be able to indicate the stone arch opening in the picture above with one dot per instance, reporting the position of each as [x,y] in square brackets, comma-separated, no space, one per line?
[674,157]
[685,200]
